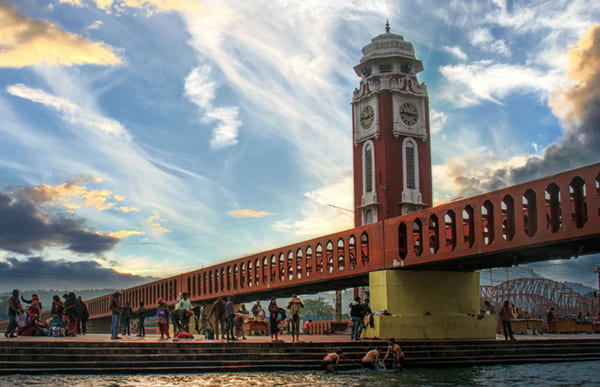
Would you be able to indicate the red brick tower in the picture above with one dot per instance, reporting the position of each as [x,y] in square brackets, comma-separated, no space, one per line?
[390,116]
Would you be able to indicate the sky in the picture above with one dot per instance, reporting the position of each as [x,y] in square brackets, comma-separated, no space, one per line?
[144,138]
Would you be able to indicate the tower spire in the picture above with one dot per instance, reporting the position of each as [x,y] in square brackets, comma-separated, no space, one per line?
[387,25]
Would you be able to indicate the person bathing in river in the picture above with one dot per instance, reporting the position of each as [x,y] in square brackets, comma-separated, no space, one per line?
[371,359]
[396,352]
[331,361]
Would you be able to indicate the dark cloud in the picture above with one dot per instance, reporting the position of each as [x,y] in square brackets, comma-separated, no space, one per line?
[579,109]
[37,273]
[26,228]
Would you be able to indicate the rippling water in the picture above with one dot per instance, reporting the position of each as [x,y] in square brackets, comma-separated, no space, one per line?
[549,374]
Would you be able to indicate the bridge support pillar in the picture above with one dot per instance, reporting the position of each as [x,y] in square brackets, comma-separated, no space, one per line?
[427,305]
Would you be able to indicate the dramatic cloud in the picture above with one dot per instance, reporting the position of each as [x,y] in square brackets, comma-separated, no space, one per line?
[248,213]
[26,228]
[70,195]
[70,111]
[28,42]
[200,89]
[36,273]
[578,107]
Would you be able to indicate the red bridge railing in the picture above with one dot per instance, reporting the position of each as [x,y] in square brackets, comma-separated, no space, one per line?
[552,217]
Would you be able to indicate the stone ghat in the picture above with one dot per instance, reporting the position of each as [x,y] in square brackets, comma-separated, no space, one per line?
[70,355]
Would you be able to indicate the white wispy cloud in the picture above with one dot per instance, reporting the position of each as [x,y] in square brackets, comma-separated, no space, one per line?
[200,89]
[69,111]
[456,52]
[484,80]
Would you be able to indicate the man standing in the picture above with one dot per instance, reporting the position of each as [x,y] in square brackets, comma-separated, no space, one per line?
[115,307]
[356,315]
[141,315]
[295,305]
[550,319]
[84,315]
[202,318]
[14,308]
[126,314]
[230,317]
[505,316]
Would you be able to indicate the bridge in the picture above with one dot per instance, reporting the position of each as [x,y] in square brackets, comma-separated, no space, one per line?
[554,217]
[536,295]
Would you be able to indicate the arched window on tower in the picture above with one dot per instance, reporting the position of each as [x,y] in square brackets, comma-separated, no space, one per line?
[368,167]
[410,159]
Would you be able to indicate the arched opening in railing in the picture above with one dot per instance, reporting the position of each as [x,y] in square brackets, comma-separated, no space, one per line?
[417,236]
[171,290]
[281,267]
[341,264]
[265,268]
[236,276]
[210,282]
[468,226]
[529,212]
[352,251]
[217,280]
[222,280]
[162,291]
[273,268]
[450,230]
[242,275]
[250,274]
[434,234]
[309,264]
[597,184]
[319,258]
[290,265]
[229,274]
[507,214]
[193,285]
[577,196]
[487,222]
[552,204]
[402,241]
[364,248]
[257,271]
[329,256]
[299,263]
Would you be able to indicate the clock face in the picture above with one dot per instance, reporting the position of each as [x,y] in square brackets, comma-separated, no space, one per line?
[409,114]
[367,115]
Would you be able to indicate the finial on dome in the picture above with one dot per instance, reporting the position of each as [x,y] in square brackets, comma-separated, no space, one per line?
[387,26]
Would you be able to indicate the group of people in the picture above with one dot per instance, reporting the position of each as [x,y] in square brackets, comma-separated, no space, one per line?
[68,316]
[371,360]
[125,313]
[359,313]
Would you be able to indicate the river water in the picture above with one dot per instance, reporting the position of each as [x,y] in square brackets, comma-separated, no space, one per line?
[547,374]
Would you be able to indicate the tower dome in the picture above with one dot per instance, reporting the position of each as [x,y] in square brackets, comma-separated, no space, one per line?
[388,47]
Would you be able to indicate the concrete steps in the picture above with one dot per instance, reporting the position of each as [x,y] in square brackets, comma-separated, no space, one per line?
[72,356]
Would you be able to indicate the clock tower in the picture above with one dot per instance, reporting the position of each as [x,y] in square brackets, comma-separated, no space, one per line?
[390,116]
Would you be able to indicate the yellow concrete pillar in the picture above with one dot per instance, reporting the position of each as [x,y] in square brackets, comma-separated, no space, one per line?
[427,305]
